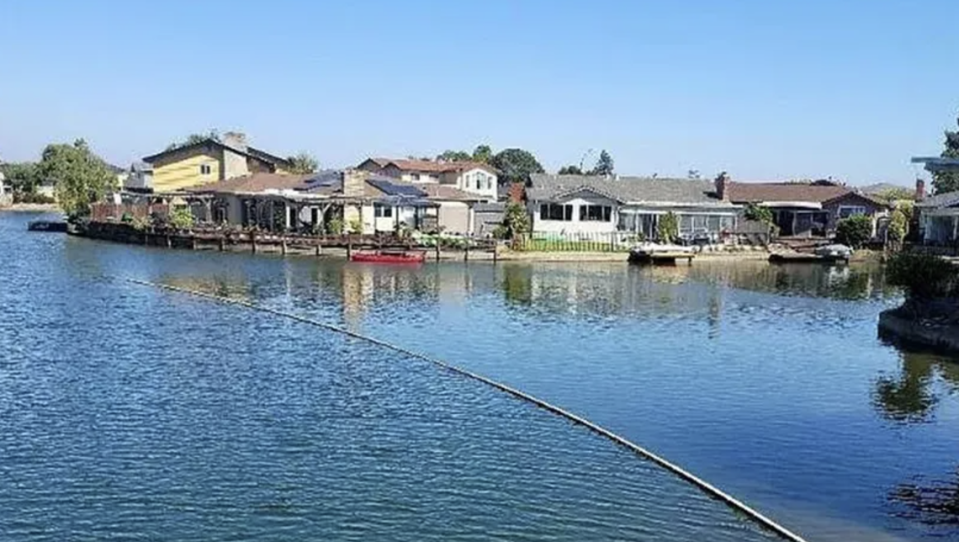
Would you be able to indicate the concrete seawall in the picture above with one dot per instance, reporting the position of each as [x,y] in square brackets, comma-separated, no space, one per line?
[894,325]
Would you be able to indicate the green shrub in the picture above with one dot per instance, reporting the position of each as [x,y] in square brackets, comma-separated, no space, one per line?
[356,226]
[899,224]
[854,231]
[668,229]
[335,227]
[923,276]
[181,218]
[758,213]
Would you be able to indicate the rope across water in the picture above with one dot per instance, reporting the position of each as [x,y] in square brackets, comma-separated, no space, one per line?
[705,486]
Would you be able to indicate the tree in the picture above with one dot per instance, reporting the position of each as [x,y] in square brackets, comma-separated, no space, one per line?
[482,154]
[454,156]
[758,213]
[668,228]
[570,170]
[81,177]
[899,222]
[303,163]
[890,195]
[604,165]
[515,220]
[948,181]
[854,231]
[193,139]
[515,165]
[22,176]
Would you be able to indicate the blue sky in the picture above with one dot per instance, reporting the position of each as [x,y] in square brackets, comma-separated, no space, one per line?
[765,90]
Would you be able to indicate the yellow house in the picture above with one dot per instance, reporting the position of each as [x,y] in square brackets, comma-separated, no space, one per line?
[209,161]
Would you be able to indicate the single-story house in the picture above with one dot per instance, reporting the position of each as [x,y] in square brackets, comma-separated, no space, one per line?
[803,209]
[585,205]
[474,177]
[312,202]
[939,214]
[939,219]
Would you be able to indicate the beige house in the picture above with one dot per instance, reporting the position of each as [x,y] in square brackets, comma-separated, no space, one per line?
[473,177]
[360,201]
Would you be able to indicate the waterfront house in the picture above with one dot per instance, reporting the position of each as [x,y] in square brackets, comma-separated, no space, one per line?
[802,209]
[207,162]
[473,177]
[939,219]
[939,214]
[577,205]
[360,201]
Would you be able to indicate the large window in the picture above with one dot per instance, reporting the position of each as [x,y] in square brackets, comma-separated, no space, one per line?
[555,211]
[846,211]
[382,211]
[595,213]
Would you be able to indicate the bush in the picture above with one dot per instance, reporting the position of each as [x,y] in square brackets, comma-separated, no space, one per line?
[668,229]
[181,218]
[515,220]
[899,224]
[32,197]
[356,226]
[854,231]
[758,213]
[335,227]
[923,276]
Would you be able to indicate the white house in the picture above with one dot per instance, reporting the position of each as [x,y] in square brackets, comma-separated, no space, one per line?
[581,204]
[473,177]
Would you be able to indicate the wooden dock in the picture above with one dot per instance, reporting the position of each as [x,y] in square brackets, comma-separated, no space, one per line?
[661,258]
[805,257]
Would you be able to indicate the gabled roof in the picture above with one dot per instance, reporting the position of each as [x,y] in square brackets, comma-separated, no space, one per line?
[249,152]
[939,201]
[633,190]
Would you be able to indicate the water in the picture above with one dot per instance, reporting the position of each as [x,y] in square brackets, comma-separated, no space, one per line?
[128,410]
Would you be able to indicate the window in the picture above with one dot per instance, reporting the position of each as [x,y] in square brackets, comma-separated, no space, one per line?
[382,211]
[414,176]
[205,169]
[595,213]
[479,182]
[846,211]
[489,183]
[555,211]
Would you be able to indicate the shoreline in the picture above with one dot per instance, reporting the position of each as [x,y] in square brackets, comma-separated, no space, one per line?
[893,325]
[32,208]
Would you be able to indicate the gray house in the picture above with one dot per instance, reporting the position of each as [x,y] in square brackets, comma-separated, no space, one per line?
[939,219]
[571,205]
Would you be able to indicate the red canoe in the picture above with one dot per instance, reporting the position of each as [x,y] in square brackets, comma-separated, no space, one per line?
[384,256]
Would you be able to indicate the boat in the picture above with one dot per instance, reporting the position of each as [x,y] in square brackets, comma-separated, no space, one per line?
[390,256]
[661,254]
[829,254]
[57,226]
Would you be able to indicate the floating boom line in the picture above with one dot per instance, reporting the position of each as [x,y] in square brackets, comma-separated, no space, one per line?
[703,485]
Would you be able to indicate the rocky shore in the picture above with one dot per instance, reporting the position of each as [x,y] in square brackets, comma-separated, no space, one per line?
[933,327]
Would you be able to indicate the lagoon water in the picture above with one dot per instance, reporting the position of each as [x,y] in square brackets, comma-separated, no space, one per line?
[143,414]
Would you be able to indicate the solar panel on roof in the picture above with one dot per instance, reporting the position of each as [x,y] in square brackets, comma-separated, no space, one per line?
[391,189]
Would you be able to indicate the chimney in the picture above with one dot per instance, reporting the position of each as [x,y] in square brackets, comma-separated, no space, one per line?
[722,186]
[237,140]
[354,183]
[920,189]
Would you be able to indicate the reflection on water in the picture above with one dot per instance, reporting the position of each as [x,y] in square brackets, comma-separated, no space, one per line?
[767,380]
[911,395]
[930,501]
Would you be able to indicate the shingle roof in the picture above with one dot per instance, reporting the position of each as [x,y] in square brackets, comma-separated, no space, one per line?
[946,199]
[634,190]
[783,192]
[429,166]
[257,182]
[446,192]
